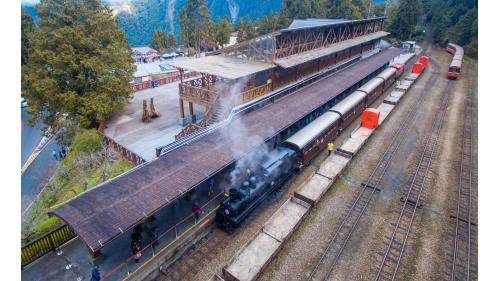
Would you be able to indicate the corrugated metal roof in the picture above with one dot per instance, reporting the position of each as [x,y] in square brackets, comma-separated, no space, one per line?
[223,66]
[301,58]
[102,213]
[307,23]
[315,23]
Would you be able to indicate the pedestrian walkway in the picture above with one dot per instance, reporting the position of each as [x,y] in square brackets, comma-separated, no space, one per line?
[127,128]
[116,262]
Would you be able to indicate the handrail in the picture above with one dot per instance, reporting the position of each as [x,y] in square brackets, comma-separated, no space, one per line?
[46,243]
[259,102]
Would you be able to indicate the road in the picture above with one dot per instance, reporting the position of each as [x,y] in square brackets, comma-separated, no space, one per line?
[41,169]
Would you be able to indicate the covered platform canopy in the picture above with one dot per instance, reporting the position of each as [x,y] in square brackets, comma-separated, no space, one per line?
[223,66]
[106,211]
[304,57]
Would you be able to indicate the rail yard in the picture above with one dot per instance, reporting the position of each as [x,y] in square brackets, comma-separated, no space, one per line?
[381,205]
[324,153]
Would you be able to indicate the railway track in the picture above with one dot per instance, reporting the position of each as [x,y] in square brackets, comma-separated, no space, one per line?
[464,229]
[413,197]
[357,208]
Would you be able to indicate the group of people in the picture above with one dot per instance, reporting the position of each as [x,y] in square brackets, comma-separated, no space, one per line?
[59,155]
[150,227]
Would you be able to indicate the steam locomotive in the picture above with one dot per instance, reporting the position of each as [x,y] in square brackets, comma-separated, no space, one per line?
[270,174]
[299,150]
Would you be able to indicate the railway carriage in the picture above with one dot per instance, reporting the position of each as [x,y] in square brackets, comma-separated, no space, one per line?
[456,63]
[389,76]
[373,89]
[312,139]
[350,108]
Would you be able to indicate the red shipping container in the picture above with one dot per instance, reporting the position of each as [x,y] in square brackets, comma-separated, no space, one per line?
[417,68]
[369,119]
[424,60]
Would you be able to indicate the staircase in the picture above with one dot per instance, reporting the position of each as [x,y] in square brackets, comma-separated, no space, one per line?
[214,114]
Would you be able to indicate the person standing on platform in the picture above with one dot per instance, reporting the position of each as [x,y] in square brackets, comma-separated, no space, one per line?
[196,210]
[136,250]
[329,146]
[54,154]
[95,274]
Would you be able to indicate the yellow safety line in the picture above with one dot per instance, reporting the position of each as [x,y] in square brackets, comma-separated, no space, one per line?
[30,160]
[170,244]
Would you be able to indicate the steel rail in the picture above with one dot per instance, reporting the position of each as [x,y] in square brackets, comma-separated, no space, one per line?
[425,162]
[372,181]
[467,143]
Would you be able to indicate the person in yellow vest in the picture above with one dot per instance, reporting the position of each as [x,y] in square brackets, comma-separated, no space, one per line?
[329,146]
[398,83]
[248,172]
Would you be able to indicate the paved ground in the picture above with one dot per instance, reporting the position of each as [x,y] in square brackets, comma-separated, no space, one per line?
[126,127]
[41,169]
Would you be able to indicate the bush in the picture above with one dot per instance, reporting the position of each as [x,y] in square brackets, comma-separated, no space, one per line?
[87,141]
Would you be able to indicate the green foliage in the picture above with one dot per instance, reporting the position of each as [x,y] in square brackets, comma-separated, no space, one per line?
[88,163]
[87,141]
[196,23]
[27,27]
[454,21]
[79,64]
[246,29]
[162,41]
[222,30]
[405,19]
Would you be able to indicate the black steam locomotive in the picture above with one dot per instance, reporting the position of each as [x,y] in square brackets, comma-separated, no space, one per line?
[275,168]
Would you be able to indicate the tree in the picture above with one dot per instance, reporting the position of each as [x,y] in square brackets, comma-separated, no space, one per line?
[246,30]
[404,20]
[79,64]
[196,23]
[222,30]
[171,43]
[27,27]
[346,9]
[159,40]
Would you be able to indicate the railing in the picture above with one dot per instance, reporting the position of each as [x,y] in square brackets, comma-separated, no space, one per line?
[125,152]
[256,92]
[202,94]
[205,122]
[148,84]
[49,242]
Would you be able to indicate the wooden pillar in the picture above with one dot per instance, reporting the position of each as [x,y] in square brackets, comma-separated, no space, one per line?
[182,73]
[181,108]
[191,111]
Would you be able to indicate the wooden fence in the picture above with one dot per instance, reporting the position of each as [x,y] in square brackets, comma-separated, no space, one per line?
[47,243]
[147,84]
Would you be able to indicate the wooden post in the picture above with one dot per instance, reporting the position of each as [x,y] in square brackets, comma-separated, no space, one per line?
[191,111]
[181,108]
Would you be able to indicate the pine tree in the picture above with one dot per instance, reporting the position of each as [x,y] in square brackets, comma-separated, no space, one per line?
[222,30]
[171,43]
[79,64]
[196,23]
[159,40]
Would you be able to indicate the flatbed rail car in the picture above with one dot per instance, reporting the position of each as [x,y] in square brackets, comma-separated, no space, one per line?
[456,63]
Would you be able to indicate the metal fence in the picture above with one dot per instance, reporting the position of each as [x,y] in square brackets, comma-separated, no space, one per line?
[47,243]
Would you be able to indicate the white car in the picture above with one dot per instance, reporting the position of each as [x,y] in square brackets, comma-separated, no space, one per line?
[24,103]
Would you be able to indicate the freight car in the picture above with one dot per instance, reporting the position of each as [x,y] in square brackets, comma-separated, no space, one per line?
[297,151]
[456,62]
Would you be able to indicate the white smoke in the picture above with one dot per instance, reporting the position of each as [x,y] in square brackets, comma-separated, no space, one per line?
[241,138]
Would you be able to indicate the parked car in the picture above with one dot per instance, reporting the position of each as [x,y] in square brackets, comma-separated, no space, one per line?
[24,103]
